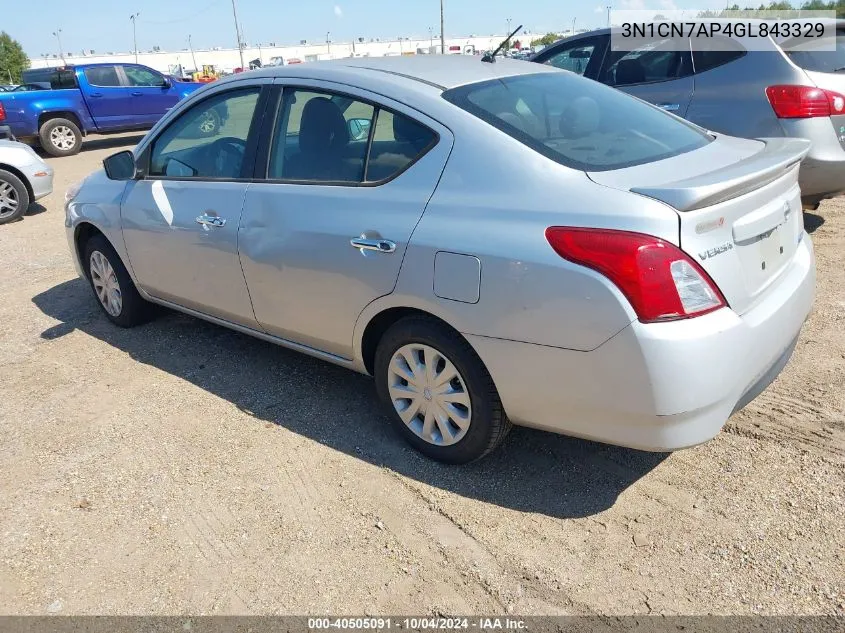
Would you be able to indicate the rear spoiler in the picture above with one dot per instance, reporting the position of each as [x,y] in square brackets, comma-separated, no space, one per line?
[776,158]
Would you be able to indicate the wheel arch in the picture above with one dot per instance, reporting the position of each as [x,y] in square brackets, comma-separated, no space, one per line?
[17,172]
[70,115]
[381,321]
[82,233]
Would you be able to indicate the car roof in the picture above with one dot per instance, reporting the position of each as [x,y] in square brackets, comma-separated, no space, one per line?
[439,71]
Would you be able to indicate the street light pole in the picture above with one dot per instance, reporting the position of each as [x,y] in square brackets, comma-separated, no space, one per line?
[328,42]
[573,25]
[442,32]
[134,17]
[193,57]
[238,33]
[608,16]
[58,34]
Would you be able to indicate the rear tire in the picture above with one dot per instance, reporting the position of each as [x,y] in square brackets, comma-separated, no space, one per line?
[60,137]
[472,421]
[14,197]
[113,288]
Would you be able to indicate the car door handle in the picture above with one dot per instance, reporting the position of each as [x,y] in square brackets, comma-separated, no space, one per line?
[137,94]
[380,245]
[211,220]
[670,107]
[96,95]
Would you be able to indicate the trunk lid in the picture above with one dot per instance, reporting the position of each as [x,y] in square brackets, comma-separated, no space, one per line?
[739,208]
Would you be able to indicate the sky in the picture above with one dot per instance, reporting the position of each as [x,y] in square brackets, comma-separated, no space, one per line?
[105,25]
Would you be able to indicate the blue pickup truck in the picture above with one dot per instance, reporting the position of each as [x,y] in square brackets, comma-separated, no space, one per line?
[91,98]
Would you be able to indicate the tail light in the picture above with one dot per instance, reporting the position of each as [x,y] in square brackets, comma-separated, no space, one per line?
[804,102]
[2,113]
[661,282]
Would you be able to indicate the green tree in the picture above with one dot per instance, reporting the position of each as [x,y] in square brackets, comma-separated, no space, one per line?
[546,40]
[13,61]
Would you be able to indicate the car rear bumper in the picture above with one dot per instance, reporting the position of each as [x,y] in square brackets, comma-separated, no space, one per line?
[6,133]
[659,386]
[822,178]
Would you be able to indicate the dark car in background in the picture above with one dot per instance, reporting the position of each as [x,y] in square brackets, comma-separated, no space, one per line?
[731,86]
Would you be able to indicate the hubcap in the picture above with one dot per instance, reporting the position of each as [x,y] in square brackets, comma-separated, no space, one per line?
[429,394]
[8,200]
[105,284]
[62,137]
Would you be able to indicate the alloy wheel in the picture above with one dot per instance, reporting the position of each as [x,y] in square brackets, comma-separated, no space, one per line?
[8,200]
[62,137]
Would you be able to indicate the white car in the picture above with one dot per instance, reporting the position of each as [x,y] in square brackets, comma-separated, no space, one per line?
[24,178]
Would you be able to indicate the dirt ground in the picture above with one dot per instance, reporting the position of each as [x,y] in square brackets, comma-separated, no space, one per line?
[183,468]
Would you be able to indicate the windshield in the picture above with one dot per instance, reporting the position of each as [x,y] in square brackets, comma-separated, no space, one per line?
[816,54]
[578,122]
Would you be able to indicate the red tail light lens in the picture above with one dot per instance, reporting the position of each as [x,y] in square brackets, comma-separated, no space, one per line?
[804,102]
[661,282]
[2,113]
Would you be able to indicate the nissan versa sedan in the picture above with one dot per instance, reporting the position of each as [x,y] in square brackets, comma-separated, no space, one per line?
[495,243]
[743,86]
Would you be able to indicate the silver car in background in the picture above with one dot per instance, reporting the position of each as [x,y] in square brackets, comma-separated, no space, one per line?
[765,88]
[495,243]
[24,178]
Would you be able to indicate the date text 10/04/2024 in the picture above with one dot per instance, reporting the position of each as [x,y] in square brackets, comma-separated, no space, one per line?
[417,624]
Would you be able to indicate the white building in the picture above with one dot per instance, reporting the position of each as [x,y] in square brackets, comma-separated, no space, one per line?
[229,59]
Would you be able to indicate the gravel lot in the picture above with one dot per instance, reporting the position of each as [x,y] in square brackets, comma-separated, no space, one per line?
[183,468]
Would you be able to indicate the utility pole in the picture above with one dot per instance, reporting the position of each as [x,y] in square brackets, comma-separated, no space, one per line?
[608,16]
[328,42]
[193,57]
[573,25]
[238,33]
[58,34]
[442,32]
[134,17]
[430,39]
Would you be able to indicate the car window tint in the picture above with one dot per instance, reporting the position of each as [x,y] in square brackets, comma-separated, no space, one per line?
[818,55]
[577,122]
[142,77]
[103,76]
[574,59]
[397,142]
[209,140]
[320,137]
[713,52]
[658,60]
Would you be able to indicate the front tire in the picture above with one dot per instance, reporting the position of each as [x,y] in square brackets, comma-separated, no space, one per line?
[440,396]
[114,289]
[60,137]
[14,197]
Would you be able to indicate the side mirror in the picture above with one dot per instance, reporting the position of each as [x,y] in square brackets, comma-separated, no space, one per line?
[359,129]
[166,83]
[121,166]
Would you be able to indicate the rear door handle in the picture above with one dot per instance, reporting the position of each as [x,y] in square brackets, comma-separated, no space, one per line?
[670,107]
[211,220]
[380,245]
[137,94]
[96,95]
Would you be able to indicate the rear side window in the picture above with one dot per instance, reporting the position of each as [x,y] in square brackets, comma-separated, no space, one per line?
[816,55]
[104,76]
[577,122]
[57,79]
[658,60]
[708,53]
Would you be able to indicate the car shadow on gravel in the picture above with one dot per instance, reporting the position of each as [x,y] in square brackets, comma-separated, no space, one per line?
[532,471]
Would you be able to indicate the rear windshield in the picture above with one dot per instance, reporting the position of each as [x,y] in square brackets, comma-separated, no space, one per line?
[578,122]
[816,55]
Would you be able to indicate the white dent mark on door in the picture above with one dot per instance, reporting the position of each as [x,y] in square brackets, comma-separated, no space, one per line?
[163,204]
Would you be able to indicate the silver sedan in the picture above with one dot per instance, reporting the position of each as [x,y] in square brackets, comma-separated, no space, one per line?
[495,243]
[24,178]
